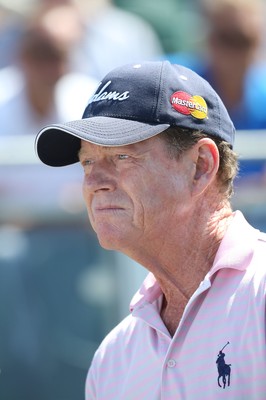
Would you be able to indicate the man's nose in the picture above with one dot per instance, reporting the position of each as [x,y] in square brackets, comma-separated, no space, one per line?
[102,176]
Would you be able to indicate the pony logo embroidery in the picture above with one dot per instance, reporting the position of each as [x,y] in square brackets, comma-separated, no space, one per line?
[224,370]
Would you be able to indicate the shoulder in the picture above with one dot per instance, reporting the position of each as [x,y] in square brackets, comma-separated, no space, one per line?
[112,357]
[256,272]
[119,346]
[119,338]
[117,355]
[260,249]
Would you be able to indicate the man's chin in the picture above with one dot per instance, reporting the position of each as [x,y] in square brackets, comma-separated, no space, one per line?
[110,237]
[109,242]
[106,245]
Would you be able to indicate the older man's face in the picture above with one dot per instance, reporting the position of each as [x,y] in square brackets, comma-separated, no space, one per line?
[134,193]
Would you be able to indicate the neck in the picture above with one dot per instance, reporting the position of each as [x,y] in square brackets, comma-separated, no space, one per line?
[181,261]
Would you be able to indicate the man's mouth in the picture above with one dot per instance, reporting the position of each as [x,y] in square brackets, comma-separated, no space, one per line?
[108,208]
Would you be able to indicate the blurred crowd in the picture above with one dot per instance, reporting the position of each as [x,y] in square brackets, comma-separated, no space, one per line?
[57,52]
[54,51]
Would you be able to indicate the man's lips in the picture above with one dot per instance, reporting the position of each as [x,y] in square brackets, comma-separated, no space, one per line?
[108,208]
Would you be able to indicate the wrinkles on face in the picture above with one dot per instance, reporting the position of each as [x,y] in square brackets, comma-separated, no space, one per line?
[131,192]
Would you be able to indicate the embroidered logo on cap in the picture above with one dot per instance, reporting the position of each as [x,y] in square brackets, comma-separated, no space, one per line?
[189,105]
[111,95]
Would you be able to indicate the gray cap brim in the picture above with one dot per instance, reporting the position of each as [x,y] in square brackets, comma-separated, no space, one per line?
[58,145]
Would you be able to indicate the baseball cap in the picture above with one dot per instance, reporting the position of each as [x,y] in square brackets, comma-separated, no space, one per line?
[133,103]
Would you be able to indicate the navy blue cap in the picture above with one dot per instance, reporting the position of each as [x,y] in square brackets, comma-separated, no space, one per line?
[133,103]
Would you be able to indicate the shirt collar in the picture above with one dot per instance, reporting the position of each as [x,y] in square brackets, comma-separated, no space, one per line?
[149,291]
[237,247]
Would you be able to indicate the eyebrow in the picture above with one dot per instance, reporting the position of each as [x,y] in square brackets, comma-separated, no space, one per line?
[125,147]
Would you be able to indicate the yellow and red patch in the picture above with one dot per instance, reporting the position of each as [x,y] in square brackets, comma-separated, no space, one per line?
[189,105]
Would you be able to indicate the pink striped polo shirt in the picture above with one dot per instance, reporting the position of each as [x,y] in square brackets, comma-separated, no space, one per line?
[219,349]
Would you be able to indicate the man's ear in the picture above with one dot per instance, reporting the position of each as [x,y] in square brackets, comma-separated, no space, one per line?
[206,159]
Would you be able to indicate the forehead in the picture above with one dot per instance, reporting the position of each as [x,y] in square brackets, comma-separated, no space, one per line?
[145,145]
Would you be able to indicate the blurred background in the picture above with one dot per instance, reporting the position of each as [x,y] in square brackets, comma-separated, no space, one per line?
[60,293]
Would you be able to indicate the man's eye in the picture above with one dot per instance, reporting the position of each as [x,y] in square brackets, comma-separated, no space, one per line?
[122,156]
[86,162]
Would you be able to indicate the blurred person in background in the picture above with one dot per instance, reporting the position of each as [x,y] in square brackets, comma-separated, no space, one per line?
[46,82]
[232,59]
[235,67]
[113,37]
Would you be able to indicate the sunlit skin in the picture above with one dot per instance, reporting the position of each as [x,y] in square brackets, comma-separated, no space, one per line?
[130,191]
[159,210]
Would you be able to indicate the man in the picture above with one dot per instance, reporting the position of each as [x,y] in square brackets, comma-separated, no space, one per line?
[155,143]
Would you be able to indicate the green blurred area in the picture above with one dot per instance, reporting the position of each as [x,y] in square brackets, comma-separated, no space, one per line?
[178,23]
